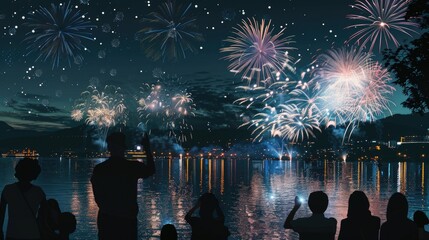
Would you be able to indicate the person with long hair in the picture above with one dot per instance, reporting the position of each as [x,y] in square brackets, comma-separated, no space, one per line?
[398,226]
[359,224]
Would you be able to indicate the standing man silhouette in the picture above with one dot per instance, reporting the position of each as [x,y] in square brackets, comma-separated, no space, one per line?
[114,183]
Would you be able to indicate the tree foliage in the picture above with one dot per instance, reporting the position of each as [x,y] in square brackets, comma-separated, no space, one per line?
[410,62]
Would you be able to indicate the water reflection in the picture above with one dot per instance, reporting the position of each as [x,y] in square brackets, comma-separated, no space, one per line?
[256,196]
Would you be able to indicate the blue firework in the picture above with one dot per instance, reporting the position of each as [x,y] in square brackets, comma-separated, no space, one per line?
[169,33]
[57,34]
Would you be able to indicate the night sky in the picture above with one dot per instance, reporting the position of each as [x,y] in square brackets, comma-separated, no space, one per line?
[37,96]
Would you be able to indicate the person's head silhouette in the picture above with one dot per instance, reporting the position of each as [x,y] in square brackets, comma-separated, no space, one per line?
[67,223]
[116,144]
[27,170]
[358,205]
[397,207]
[168,232]
[420,219]
[52,211]
[208,203]
[318,202]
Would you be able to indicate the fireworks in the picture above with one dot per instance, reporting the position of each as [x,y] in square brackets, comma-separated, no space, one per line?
[169,33]
[166,105]
[102,108]
[378,20]
[373,101]
[297,123]
[354,88]
[286,109]
[307,95]
[349,87]
[264,96]
[58,33]
[286,121]
[77,115]
[258,53]
[343,78]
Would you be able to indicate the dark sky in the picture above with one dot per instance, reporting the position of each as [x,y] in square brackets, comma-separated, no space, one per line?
[37,96]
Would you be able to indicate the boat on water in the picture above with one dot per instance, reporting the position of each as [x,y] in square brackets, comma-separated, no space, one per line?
[21,154]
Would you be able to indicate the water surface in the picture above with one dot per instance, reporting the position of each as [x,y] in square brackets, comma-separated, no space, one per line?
[255,195]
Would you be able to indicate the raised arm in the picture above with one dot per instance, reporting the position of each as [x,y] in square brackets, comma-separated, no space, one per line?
[2,215]
[189,214]
[291,215]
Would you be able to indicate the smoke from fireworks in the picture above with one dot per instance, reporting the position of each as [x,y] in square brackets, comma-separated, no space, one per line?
[378,22]
[257,53]
[165,105]
[169,33]
[58,33]
[102,109]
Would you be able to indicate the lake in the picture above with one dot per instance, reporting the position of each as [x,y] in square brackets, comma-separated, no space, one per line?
[255,195]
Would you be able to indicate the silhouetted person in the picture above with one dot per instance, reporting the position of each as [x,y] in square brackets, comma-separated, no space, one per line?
[359,224]
[168,232]
[421,220]
[53,224]
[114,183]
[317,226]
[398,226]
[48,219]
[53,211]
[67,225]
[22,200]
[207,226]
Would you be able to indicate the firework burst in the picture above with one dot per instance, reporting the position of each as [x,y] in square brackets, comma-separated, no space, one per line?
[354,88]
[286,121]
[297,124]
[343,78]
[287,109]
[307,95]
[263,96]
[348,88]
[58,33]
[372,102]
[170,32]
[167,106]
[101,108]
[257,53]
[378,22]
